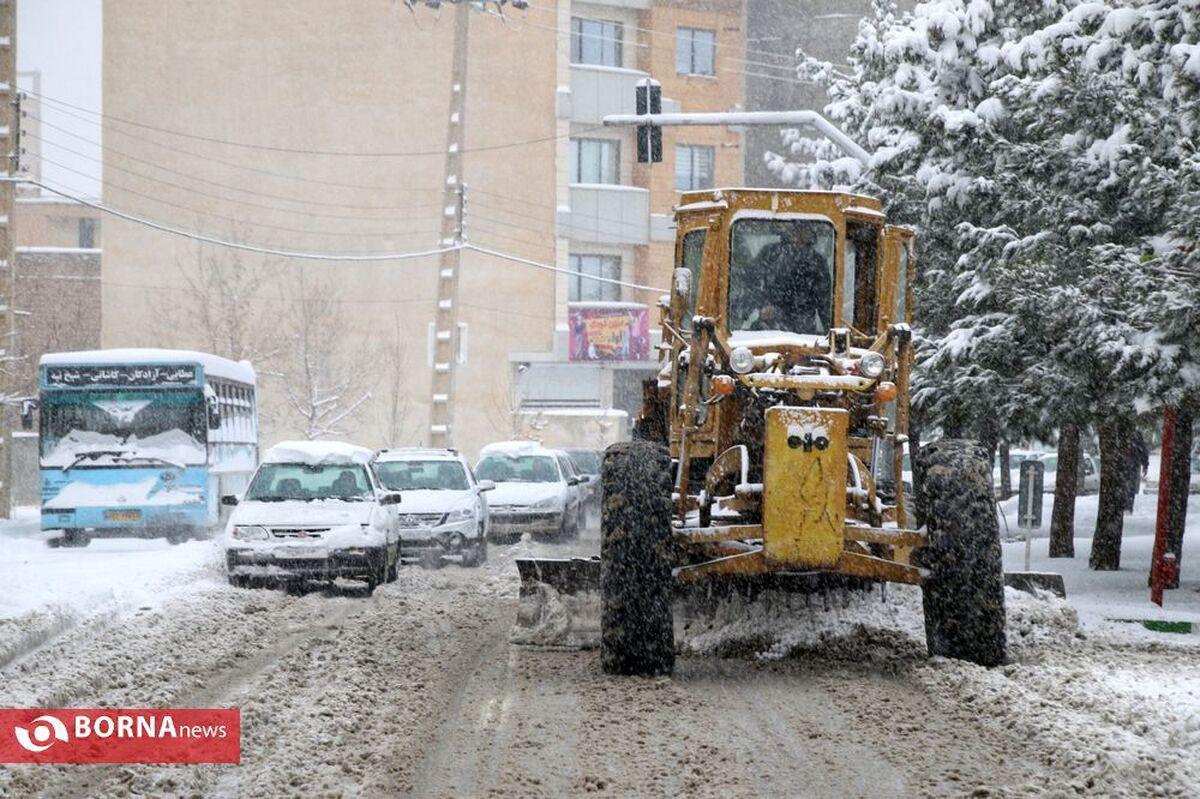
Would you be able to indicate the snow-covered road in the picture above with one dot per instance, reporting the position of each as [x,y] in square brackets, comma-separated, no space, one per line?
[416,690]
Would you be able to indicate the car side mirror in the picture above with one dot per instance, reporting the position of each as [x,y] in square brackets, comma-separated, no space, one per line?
[391,498]
[485,485]
[573,481]
[229,499]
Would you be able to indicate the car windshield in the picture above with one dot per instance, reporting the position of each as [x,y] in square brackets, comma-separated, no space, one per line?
[587,461]
[518,469]
[781,275]
[440,475]
[277,482]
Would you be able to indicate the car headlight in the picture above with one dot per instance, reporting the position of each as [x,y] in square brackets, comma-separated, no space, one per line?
[741,360]
[871,365]
[459,514]
[546,504]
[251,532]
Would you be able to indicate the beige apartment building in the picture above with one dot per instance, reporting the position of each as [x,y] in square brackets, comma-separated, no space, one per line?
[322,127]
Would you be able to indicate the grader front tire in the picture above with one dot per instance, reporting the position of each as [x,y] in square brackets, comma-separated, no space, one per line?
[964,592]
[636,625]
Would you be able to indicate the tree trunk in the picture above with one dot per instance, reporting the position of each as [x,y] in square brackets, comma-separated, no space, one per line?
[1180,476]
[914,451]
[1066,485]
[1106,540]
[1005,474]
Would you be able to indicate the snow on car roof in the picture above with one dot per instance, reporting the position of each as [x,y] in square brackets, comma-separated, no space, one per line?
[318,453]
[412,453]
[512,449]
[214,365]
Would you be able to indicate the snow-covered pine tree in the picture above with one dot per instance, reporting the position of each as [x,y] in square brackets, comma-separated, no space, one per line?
[1019,137]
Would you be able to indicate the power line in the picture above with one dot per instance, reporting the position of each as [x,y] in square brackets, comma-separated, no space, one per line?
[295,150]
[232,220]
[232,164]
[550,268]
[174,231]
[328,256]
[218,184]
[200,193]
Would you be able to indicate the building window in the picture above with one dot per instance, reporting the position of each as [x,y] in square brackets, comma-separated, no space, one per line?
[693,167]
[584,289]
[87,233]
[596,41]
[595,161]
[695,51]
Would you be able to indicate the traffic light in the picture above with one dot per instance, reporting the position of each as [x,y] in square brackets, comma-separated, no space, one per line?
[649,135]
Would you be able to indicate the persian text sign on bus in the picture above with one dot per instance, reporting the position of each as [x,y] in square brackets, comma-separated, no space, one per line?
[609,331]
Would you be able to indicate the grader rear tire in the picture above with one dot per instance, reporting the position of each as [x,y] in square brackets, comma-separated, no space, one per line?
[964,593]
[636,626]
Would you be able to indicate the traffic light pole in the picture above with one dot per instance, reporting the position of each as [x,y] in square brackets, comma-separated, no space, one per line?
[793,119]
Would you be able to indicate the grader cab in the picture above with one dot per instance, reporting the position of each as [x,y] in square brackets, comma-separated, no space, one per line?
[772,442]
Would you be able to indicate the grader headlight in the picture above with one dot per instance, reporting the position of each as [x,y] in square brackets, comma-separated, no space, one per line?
[741,360]
[871,365]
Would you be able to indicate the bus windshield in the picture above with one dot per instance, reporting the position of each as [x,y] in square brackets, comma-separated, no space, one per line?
[119,428]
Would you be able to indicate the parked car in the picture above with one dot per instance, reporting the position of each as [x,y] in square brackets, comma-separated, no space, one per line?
[314,510]
[1089,474]
[587,462]
[1150,484]
[445,510]
[536,491]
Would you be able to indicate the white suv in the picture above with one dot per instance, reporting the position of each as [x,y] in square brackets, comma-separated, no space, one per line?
[314,510]
[445,513]
[536,490]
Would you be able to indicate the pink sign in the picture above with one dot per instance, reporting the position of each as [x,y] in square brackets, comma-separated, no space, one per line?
[609,331]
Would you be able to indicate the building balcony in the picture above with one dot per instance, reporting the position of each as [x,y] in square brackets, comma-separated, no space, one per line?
[606,214]
[598,91]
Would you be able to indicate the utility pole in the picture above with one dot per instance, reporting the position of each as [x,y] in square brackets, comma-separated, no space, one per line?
[446,333]
[10,126]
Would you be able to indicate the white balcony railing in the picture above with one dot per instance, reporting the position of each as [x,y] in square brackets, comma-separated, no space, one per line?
[599,91]
[607,214]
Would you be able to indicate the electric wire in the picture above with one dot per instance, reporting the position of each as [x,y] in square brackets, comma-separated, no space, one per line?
[294,150]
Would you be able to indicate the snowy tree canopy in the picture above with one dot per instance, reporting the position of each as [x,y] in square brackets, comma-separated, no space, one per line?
[1047,153]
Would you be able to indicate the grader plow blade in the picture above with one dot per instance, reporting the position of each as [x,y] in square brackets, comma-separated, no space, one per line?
[559,603]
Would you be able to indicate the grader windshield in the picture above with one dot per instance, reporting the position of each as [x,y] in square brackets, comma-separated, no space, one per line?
[781,275]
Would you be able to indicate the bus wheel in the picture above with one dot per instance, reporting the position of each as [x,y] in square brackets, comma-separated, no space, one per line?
[76,538]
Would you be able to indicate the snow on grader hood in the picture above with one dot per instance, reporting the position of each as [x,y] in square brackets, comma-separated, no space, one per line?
[770,446]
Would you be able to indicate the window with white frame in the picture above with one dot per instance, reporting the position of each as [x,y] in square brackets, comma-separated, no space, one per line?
[584,288]
[693,167]
[595,161]
[596,41]
[695,51]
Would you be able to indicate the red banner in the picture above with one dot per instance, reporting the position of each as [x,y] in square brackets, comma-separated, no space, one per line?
[609,331]
[120,735]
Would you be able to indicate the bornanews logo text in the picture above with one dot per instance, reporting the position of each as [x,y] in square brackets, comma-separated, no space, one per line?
[120,735]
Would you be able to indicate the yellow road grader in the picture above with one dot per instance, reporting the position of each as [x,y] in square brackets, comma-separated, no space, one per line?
[772,441]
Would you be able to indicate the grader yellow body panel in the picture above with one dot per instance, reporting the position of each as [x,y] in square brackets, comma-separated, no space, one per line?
[804,487]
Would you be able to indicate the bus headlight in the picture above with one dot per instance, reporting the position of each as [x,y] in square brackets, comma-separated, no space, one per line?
[871,365]
[741,360]
[251,532]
